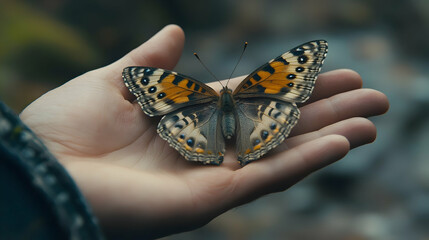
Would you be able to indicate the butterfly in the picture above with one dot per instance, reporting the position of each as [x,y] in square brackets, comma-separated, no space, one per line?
[259,113]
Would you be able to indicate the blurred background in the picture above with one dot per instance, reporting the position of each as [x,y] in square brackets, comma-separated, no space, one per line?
[380,191]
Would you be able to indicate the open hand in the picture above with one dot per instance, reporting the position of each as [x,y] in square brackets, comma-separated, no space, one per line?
[138,185]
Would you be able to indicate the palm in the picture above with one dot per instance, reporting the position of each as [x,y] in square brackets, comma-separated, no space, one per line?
[127,171]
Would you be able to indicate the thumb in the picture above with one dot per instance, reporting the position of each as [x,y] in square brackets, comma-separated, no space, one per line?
[163,50]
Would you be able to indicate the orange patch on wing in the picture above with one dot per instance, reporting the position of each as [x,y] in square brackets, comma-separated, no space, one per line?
[188,148]
[168,79]
[280,67]
[176,93]
[199,150]
[248,151]
[269,138]
[277,64]
[275,83]
[270,90]
[183,83]
[253,81]
[273,65]
[278,76]
[257,147]
[168,87]
[264,74]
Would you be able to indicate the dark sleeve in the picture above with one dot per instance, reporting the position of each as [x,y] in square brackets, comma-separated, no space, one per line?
[38,199]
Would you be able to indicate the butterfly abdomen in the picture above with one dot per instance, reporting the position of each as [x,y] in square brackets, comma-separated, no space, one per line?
[228,116]
[228,125]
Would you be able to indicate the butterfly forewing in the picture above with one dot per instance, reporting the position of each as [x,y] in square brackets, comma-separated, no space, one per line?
[289,77]
[160,91]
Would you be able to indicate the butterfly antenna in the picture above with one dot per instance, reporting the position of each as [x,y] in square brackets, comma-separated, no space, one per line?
[244,48]
[196,55]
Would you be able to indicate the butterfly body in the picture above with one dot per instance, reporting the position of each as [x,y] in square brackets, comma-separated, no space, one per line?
[258,114]
[228,115]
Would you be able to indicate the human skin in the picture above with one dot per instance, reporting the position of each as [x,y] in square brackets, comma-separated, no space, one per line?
[138,186]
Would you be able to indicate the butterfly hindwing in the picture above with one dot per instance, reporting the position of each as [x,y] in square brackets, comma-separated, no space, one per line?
[262,125]
[195,132]
[289,77]
[160,91]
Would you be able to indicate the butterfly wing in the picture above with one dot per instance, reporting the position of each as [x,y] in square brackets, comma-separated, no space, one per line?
[160,91]
[266,99]
[263,125]
[289,77]
[195,132]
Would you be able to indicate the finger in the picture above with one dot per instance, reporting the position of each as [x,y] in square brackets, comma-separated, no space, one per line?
[356,103]
[334,82]
[358,131]
[163,50]
[281,171]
